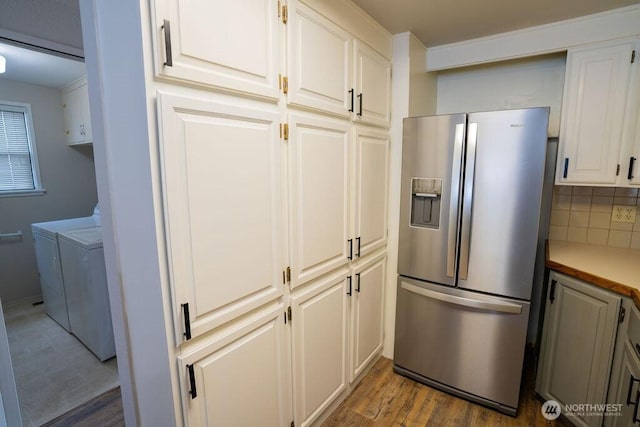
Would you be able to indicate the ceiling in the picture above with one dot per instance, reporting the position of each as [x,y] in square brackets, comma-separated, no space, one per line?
[437,22]
[30,66]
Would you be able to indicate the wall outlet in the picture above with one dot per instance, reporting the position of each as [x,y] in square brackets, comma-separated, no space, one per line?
[623,213]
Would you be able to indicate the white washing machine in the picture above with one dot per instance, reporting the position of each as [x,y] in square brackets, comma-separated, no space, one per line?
[45,235]
[85,282]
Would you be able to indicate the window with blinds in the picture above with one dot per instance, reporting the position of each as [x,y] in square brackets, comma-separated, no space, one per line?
[18,165]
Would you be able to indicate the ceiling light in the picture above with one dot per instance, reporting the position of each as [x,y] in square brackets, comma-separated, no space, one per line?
[3,64]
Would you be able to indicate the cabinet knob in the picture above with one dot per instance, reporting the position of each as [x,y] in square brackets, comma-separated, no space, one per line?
[64,105]
[67,132]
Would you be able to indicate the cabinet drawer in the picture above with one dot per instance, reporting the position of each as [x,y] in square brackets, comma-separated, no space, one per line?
[634,329]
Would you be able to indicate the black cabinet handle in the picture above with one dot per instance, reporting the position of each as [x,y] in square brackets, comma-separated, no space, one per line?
[358,283]
[631,381]
[358,245]
[631,162]
[351,93]
[350,256]
[635,410]
[552,291]
[349,290]
[360,109]
[192,382]
[566,167]
[166,26]
[187,321]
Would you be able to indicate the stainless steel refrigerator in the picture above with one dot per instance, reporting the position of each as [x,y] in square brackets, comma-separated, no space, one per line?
[469,216]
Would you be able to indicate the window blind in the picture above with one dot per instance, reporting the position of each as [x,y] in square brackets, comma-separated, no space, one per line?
[16,170]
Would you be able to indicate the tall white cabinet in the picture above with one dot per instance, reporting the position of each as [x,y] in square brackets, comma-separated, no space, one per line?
[273,160]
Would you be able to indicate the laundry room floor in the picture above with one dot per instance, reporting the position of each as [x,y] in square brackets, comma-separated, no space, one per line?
[54,372]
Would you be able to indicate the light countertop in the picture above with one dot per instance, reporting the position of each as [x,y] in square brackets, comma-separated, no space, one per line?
[617,269]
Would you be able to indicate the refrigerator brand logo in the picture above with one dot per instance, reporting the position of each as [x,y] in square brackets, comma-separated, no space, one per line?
[517,125]
[551,409]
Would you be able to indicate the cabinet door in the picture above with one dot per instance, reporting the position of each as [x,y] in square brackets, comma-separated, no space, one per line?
[239,376]
[221,190]
[319,195]
[367,314]
[226,44]
[319,341]
[577,344]
[630,158]
[319,62]
[73,115]
[373,86]
[593,107]
[627,393]
[372,175]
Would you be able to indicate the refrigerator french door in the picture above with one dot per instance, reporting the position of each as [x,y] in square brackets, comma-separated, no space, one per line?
[470,208]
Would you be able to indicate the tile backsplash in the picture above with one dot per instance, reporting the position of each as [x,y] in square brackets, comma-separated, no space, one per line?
[583,214]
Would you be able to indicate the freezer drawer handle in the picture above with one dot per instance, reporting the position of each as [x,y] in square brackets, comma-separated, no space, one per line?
[631,381]
[503,307]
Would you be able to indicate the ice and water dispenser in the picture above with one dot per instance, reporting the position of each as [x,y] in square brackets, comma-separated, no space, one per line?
[426,195]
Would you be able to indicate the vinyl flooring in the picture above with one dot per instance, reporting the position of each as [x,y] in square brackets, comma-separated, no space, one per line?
[54,371]
[384,398]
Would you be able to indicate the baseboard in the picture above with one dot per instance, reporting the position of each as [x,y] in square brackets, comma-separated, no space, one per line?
[22,301]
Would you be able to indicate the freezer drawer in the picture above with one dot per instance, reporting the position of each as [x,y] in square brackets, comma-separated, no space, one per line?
[462,342]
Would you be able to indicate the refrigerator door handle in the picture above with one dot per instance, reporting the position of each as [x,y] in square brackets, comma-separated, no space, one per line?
[454,203]
[499,306]
[467,204]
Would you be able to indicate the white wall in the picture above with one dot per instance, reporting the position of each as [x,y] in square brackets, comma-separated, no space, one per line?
[530,82]
[66,173]
[413,93]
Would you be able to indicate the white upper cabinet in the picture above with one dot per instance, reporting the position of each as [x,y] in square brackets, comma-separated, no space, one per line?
[239,376]
[224,44]
[373,86]
[77,118]
[371,181]
[593,110]
[319,173]
[221,177]
[630,155]
[319,62]
[330,70]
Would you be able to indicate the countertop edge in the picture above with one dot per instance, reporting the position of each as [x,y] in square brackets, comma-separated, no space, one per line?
[602,282]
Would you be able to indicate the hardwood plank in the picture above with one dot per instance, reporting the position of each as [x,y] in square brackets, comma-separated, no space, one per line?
[104,411]
[384,398]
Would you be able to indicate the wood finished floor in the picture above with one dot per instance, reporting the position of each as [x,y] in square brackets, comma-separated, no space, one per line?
[103,411]
[384,398]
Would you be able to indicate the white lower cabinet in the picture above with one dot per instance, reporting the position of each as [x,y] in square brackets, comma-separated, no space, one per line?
[319,314]
[578,338]
[627,393]
[239,375]
[367,308]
